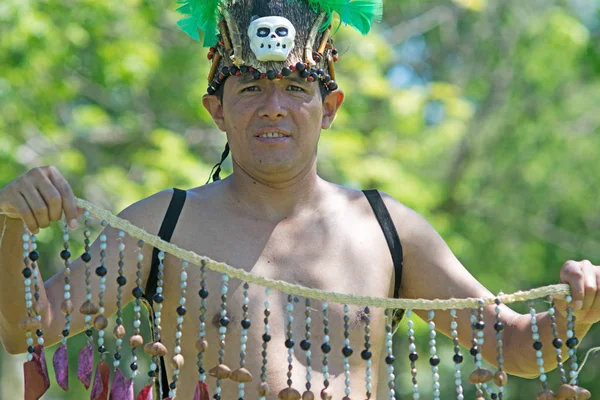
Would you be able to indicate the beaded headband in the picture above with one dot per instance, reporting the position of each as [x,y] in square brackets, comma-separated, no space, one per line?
[215,378]
[270,39]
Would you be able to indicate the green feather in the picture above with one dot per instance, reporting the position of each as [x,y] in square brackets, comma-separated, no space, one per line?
[203,15]
[359,14]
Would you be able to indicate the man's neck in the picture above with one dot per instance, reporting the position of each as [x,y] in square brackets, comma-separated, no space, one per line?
[276,199]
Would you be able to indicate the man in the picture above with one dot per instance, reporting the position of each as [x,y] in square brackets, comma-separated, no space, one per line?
[276,218]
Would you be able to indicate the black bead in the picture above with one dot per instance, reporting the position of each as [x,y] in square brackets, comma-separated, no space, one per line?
[347,351]
[225,71]
[572,342]
[137,292]
[117,356]
[499,326]
[474,350]
[210,90]
[34,255]
[217,396]
[332,85]
[271,75]
[304,73]
[326,78]
[537,345]
[266,337]
[121,280]
[256,74]
[65,254]
[244,69]
[224,321]
[334,52]
[158,298]
[365,355]
[494,396]
[39,333]
[246,323]
[27,272]
[325,348]
[133,366]
[389,360]
[102,349]
[458,358]
[31,349]
[203,293]
[286,71]
[234,70]
[434,360]
[86,257]
[172,385]
[479,325]
[289,343]
[181,310]
[300,67]
[89,332]
[320,72]
[151,374]
[305,345]
[314,75]
[414,356]
[65,332]
[557,343]
[101,271]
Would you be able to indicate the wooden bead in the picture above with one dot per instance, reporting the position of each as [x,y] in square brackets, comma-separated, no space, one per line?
[201,345]
[67,307]
[221,371]
[156,349]
[500,378]
[119,331]
[136,341]
[100,322]
[39,308]
[308,395]
[582,394]
[566,392]
[263,389]
[88,308]
[30,324]
[546,395]
[326,394]
[289,394]
[481,375]
[241,375]
[177,361]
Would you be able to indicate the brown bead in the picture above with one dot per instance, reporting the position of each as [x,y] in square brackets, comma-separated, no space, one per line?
[241,375]
[30,324]
[136,341]
[119,331]
[500,378]
[566,392]
[308,395]
[177,361]
[67,307]
[88,308]
[221,371]
[345,398]
[289,394]
[582,394]
[39,308]
[201,345]
[100,322]
[263,389]
[481,375]
[546,395]
[156,349]
[326,394]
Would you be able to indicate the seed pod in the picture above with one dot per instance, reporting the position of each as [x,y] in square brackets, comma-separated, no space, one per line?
[500,378]
[100,322]
[221,371]
[289,394]
[88,308]
[119,331]
[546,395]
[326,394]
[241,375]
[263,389]
[39,308]
[308,395]
[136,341]
[582,394]
[30,324]
[67,307]
[156,349]
[481,375]
[177,361]
[201,345]
[566,392]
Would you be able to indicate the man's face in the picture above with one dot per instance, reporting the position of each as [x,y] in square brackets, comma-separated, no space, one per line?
[273,127]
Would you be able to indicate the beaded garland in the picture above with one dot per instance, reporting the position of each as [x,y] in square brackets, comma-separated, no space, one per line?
[88,308]
[202,344]
[136,340]
[325,349]
[537,346]
[242,375]
[500,377]
[31,320]
[100,322]
[458,357]
[572,341]
[263,388]
[289,392]
[119,330]
[177,360]
[347,352]
[389,359]
[413,355]
[366,353]
[434,360]
[305,345]
[222,371]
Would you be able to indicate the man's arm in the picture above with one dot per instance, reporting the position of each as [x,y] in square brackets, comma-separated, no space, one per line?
[431,271]
[146,214]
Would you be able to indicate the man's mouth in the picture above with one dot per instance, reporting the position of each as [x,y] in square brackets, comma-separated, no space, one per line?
[271,135]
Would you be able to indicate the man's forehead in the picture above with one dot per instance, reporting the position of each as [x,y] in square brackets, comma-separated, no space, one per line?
[248,78]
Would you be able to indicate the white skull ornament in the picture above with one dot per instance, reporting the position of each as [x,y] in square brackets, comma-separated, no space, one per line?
[271,38]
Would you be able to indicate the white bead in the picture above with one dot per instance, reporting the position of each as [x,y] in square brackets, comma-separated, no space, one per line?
[67,295]
[184,275]
[101,333]
[121,246]
[100,341]
[67,287]
[29,356]
[177,349]
[136,324]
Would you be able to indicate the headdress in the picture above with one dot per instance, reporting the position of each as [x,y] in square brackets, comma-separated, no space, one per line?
[270,39]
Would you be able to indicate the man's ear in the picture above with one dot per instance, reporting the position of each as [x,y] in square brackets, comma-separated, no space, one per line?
[215,109]
[331,105]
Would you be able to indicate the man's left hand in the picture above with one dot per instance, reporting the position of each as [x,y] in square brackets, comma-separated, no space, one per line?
[584,279]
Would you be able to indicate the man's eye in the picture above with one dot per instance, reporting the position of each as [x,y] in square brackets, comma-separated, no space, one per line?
[295,88]
[250,89]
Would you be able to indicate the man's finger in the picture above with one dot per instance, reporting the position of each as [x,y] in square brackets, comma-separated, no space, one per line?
[22,208]
[37,205]
[572,274]
[590,284]
[69,203]
[52,198]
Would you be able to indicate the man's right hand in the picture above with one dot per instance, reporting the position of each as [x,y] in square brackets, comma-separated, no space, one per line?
[39,197]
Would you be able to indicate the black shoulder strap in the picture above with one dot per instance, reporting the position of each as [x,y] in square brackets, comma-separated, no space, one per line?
[390,233]
[165,233]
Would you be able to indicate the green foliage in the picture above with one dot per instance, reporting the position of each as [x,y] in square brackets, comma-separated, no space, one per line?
[481,115]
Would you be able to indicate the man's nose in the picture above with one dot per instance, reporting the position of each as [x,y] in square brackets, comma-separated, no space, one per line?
[273,107]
